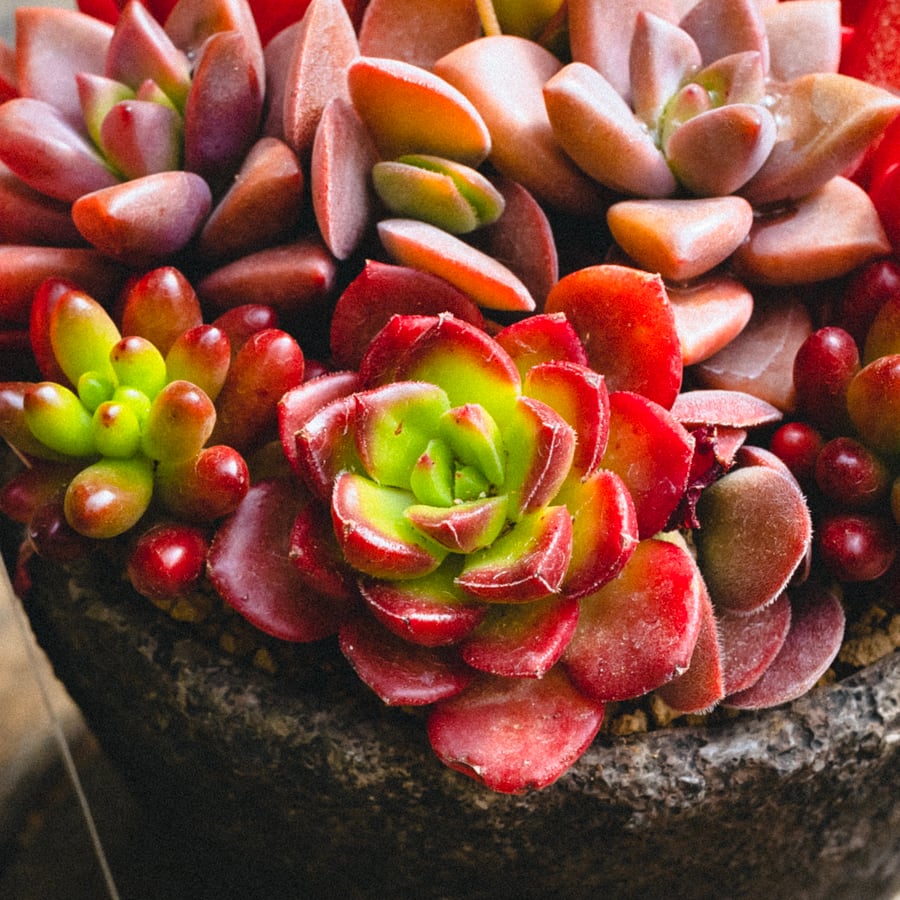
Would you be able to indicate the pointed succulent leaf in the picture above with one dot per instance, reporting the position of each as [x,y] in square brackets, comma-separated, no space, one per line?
[373,532]
[541,447]
[432,477]
[475,439]
[640,629]
[145,220]
[736,78]
[411,110]
[460,358]
[745,566]
[461,527]
[98,95]
[256,539]
[398,671]
[813,641]
[82,334]
[579,395]
[829,120]
[385,353]
[523,146]
[601,35]
[49,154]
[521,640]
[723,27]
[848,234]
[52,47]
[681,239]
[423,246]
[454,197]
[324,45]
[604,530]
[803,38]
[689,101]
[515,734]
[140,50]
[141,138]
[342,158]
[718,151]
[387,23]
[525,563]
[595,126]
[108,497]
[393,425]
[662,58]
[651,451]
[223,109]
[432,610]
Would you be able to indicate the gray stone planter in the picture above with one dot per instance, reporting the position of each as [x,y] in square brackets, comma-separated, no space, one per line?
[312,788]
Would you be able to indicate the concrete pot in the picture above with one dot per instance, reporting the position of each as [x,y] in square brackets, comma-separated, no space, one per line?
[309,785]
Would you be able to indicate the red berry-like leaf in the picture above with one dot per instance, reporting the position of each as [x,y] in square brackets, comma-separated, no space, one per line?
[399,672]
[250,566]
[813,641]
[515,734]
[167,560]
[639,630]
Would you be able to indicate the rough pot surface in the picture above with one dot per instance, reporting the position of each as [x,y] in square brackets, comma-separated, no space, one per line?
[318,786]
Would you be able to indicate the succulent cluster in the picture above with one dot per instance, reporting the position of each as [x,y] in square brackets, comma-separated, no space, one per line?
[554,259]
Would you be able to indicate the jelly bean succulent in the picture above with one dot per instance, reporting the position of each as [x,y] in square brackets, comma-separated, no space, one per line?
[557,261]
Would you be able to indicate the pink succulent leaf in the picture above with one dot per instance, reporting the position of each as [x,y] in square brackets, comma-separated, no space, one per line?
[97,95]
[432,610]
[30,217]
[735,409]
[723,27]
[541,447]
[662,58]
[736,78]
[47,153]
[828,120]
[250,567]
[140,50]
[747,566]
[717,152]
[652,453]
[579,395]
[223,110]
[702,685]
[526,563]
[515,734]
[463,527]
[399,672]
[604,530]
[52,47]
[521,640]
[639,630]
[813,641]
[142,138]
[750,643]
[374,533]
[803,38]
[597,128]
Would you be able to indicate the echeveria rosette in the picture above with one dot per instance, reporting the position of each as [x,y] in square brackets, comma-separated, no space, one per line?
[463,494]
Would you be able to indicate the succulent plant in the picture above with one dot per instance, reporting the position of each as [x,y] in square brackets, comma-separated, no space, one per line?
[522,483]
